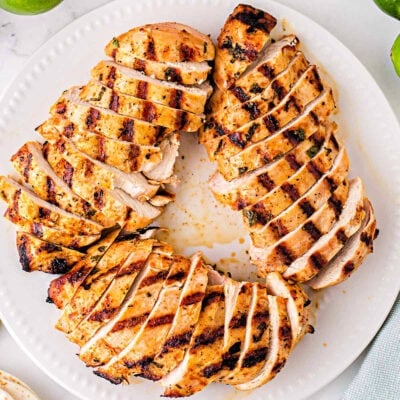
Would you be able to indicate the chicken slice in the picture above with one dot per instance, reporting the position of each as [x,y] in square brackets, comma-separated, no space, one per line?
[279,255]
[281,197]
[25,203]
[116,334]
[258,76]
[324,249]
[279,346]
[148,341]
[186,317]
[301,211]
[244,35]
[99,278]
[62,289]
[351,256]
[232,118]
[38,255]
[165,41]
[105,121]
[128,81]
[204,356]
[59,237]
[184,73]
[315,113]
[297,304]
[96,94]
[30,163]
[256,342]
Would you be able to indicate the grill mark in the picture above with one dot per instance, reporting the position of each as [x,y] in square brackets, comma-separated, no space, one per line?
[176,98]
[263,215]
[98,198]
[175,278]
[44,213]
[37,229]
[59,266]
[256,20]
[61,108]
[331,183]
[312,167]
[163,320]
[186,52]
[149,111]
[252,109]
[173,75]
[239,93]
[285,254]
[95,276]
[291,160]
[307,208]
[271,123]
[278,366]
[101,154]
[24,256]
[92,117]
[141,90]
[160,132]
[103,315]
[142,363]
[181,120]
[151,51]
[151,280]
[279,90]
[134,155]
[266,181]
[192,298]
[294,136]
[261,328]
[254,357]
[114,381]
[69,130]
[229,359]
[130,269]
[317,260]
[312,230]
[336,205]
[26,163]
[238,321]
[314,117]
[139,65]
[114,102]
[236,139]
[292,102]
[267,71]
[211,370]
[366,239]
[176,341]
[88,167]
[51,191]
[208,337]
[341,236]
[111,78]
[130,322]
[348,268]
[316,80]
[211,298]
[291,190]
[278,228]
[127,130]
[334,141]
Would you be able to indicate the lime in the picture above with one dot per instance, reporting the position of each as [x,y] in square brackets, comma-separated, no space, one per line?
[391,7]
[28,7]
[395,55]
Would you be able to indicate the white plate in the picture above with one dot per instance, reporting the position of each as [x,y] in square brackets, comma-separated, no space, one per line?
[348,315]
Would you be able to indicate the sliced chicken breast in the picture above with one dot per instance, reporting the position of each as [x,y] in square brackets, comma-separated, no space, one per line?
[25,203]
[244,35]
[258,76]
[351,256]
[278,199]
[279,346]
[128,81]
[165,41]
[324,249]
[115,335]
[204,357]
[62,289]
[38,255]
[99,278]
[59,237]
[98,95]
[254,350]
[104,121]
[183,325]
[149,340]
[297,303]
[30,163]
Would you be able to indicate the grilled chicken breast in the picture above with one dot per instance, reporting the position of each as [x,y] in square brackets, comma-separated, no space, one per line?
[38,255]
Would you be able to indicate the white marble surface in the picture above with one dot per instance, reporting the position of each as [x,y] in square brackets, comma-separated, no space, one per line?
[358,24]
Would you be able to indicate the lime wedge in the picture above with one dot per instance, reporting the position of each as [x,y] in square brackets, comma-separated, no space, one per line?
[28,7]
[391,7]
[395,55]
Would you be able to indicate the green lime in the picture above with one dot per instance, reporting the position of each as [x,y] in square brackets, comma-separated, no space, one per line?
[391,7]
[395,55]
[28,7]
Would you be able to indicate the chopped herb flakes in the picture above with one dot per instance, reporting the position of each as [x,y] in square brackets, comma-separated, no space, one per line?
[115,42]
[312,151]
[300,134]
[251,217]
